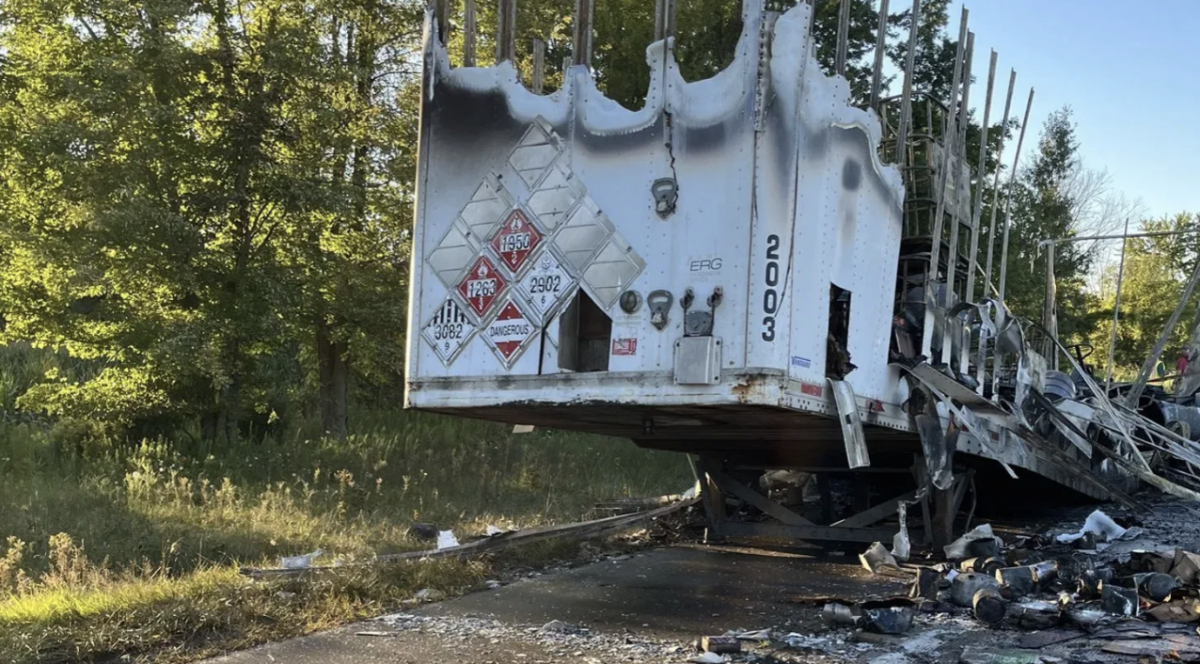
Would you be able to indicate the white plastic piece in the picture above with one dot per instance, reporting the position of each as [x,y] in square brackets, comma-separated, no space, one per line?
[1101,525]
[446,539]
[299,562]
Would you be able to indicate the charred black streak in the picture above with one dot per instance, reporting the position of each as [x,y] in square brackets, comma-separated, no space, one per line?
[667,121]
[467,117]
[851,175]
[857,140]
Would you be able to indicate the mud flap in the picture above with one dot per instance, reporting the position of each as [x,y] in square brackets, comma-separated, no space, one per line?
[851,421]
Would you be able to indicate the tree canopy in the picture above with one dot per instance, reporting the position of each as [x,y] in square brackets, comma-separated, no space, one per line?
[205,205]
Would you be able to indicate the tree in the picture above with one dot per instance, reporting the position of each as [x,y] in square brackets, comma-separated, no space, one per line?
[1156,269]
[1042,208]
[706,37]
[193,192]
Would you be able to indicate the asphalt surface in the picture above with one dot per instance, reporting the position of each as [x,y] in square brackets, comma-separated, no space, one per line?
[666,597]
[653,606]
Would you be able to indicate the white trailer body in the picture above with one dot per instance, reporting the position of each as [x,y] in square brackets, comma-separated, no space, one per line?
[558,237]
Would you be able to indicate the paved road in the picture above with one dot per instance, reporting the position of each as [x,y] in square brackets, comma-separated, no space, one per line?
[662,599]
[652,607]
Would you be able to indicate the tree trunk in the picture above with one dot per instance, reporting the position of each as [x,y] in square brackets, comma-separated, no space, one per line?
[334,371]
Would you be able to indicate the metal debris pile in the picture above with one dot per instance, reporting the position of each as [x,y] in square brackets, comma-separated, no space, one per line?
[1056,586]
[1027,412]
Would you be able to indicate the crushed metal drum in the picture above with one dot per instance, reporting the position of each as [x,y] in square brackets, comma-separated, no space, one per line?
[964,587]
[888,616]
[1119,601]
[720,644]
[988,606]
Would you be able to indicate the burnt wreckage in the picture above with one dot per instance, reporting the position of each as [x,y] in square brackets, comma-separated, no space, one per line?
[755,271]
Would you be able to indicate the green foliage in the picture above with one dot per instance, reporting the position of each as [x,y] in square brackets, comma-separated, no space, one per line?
[1156,269]
[1043,208]
[192,191]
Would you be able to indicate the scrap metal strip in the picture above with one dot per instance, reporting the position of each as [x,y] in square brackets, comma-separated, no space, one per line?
[583,528]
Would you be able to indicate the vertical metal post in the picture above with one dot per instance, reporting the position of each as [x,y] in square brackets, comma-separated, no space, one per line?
[880,45]
[538,78]
[441,11]
[987,286]
[1139,385]
[1001,316]
[843,38]
[1112,339]
[980,171]
[949,130]
[964,107]
[951,327]
[581,52]
[981,359]
[506,31]
[1012,178]
[664,19]
[1049,312]
[469,30]
[906,97]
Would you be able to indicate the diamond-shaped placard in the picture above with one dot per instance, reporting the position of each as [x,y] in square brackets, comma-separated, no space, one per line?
[615,266]
[554,197]
[585,231]
[534,153]
[451,255]
[474,225]
[448,331]
[546,284]
[485,209]
[515,240]
[510,332]
[481,285]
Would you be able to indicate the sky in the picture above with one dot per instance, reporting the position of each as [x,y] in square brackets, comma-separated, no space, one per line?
[1128,70]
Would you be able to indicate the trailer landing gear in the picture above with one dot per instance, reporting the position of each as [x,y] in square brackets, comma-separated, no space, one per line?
[722,485]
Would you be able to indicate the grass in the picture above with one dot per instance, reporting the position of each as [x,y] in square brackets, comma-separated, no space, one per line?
[135,551]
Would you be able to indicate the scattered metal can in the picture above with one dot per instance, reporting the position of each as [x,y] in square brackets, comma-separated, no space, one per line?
[926,584]
[1090,582]
[839,614]
[720,644]
[1020,581]
[982,565]
[1155,586]
[888,617]
[964,587]
[1045,571]
[988,606]
[1119,601]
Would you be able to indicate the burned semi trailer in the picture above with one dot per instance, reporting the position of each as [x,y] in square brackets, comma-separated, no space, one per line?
[750,269]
